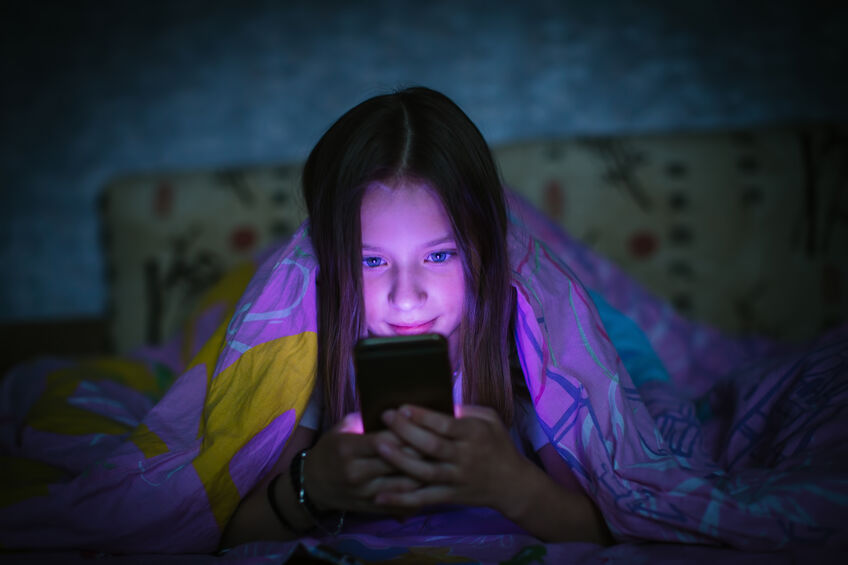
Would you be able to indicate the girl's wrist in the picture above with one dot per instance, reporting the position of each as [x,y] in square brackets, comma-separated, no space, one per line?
[516,500]
[308,507]
[304,468]
[293,516]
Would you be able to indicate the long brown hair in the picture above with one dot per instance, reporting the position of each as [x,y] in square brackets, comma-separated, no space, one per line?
[415,133]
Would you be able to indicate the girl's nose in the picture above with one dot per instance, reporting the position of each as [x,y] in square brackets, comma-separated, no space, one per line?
[407,293]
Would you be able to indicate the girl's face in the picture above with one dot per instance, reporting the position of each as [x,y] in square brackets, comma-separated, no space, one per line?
[412,275]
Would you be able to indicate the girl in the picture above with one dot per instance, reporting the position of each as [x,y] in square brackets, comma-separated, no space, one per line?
[408,219]
[742,444]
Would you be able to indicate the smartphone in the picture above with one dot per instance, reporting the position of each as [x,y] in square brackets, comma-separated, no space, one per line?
[392,371]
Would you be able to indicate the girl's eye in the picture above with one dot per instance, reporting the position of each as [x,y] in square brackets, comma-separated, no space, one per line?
[440,256]
[372,262]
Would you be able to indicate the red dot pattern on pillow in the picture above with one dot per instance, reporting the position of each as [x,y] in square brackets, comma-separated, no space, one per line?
[643,244]
[163,199]
[554,200]
[243,238]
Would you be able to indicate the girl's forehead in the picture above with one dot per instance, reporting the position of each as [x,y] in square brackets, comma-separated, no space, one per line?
[408,209]
[401,184]
[404,192]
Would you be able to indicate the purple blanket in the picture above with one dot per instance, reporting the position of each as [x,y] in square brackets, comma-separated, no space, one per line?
[679,433]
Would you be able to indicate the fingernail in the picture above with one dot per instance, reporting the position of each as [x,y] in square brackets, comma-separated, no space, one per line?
[406,411]
[388,416]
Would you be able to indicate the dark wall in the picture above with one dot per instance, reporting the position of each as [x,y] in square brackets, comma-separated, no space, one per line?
[95,89]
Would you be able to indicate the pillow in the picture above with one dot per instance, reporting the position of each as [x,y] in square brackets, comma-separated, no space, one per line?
[170,236]
[746,231]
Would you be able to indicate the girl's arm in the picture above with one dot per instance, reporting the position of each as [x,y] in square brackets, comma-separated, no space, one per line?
[589,522]
[253,519]
[343,471]
[472,460]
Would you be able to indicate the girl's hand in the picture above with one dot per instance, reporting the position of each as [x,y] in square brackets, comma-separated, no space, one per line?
[344,471]
[470,460]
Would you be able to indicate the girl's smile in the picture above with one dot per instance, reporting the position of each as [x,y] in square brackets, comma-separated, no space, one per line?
[412,273]
[413,327]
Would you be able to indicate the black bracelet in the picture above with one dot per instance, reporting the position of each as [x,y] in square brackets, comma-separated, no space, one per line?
[272,500]
[299,486]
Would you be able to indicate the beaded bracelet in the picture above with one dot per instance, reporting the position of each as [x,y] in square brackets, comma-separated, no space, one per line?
[272,500]
[299,486]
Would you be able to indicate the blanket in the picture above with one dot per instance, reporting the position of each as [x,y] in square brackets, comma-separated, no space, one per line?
[679,432]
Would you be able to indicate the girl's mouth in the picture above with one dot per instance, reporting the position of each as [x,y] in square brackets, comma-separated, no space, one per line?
[411,329]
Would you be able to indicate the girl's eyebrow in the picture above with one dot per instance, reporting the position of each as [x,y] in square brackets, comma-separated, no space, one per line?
[433,243]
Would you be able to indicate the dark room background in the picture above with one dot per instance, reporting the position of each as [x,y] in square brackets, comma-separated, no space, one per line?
[91,90]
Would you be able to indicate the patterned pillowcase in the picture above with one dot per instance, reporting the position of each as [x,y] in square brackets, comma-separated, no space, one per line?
[169,237]
[747,231]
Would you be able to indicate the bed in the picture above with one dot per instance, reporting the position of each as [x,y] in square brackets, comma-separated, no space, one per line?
[762,298]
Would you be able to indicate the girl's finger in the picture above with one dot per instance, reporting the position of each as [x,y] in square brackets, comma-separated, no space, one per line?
[390,483]
[410,452]
[425,496]
[367,469]
[392,439]
[363,500]
[351,424]
[422,439]
[350,446]
[354,446]
[426,471]
[437,422]
[475,411]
